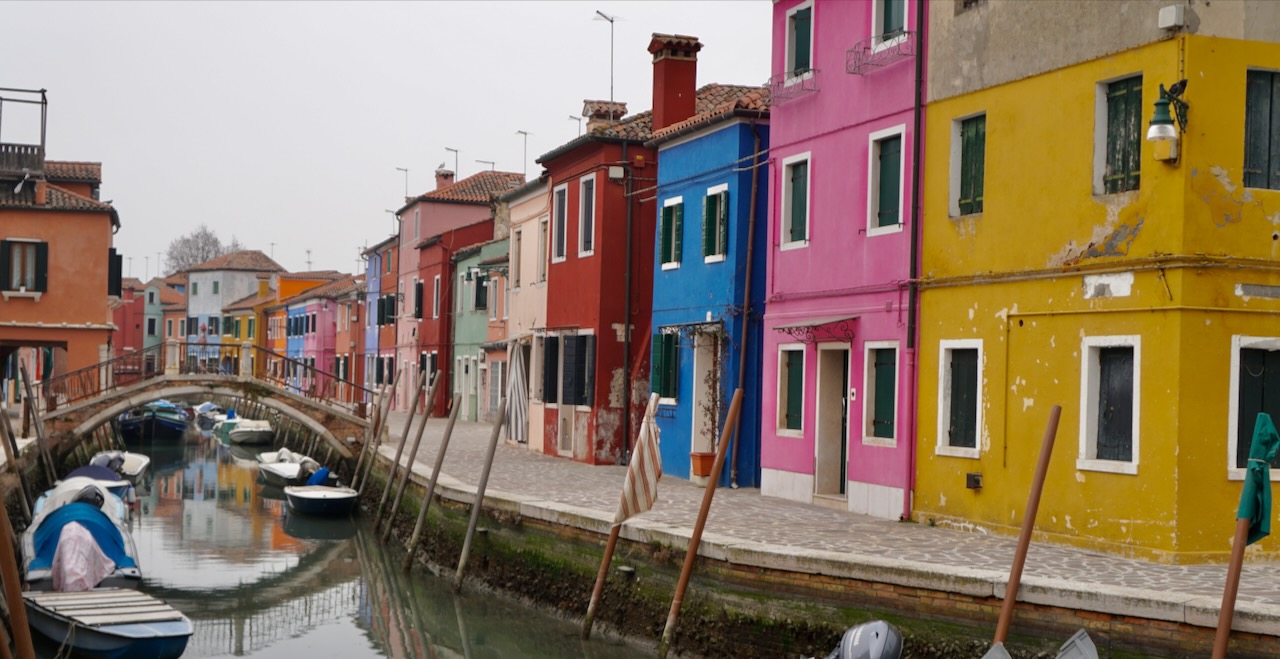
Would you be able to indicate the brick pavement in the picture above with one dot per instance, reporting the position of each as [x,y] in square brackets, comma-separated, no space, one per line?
[780,530]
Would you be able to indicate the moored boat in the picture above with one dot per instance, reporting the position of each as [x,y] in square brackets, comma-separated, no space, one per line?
[110,622]
[325,500]
[128,464]
[83,502]
[208,414]
[284,467]
[251,431]
[156,420]
[109,479]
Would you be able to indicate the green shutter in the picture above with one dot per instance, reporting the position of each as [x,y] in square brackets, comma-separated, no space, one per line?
[252,323]
[42,267]
[1261,121]
[588,364]
[664,235]
[708,225]
[885,364]
[1274,177]
[1115,404]
[801,39]
[1124,139]
[799,216]
[962,429]
[972,162]
[572,385]
[1259,392]
[894,13]
[890,173]
[722,223]
[656,370]
[793,413]
[677,232]
[672,362]
[550,369]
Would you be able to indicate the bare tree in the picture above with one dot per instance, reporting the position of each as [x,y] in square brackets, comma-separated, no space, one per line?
[197,247]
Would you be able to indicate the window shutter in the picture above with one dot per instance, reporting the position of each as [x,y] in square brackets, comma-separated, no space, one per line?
[894,15]
[656,367]
[964,390]
[1133,125]
[799,201]
[379,371]
[1275,127]
[381,310]
[802,21]
[1115,404]
[677,232]
[794,363]
[1262,113]
[885,364]
[664,235]
[417,299]
[722,223]
[5,247]
[889,174]
[115,272]
[589,369]
[391,309]
[572,383]
[979,162]
[672,363]
[550,368]
[1124,146]
[708,225]
[972,161]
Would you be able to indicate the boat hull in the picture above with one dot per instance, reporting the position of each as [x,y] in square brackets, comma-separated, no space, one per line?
[144,627]
[321,500]
[254,436]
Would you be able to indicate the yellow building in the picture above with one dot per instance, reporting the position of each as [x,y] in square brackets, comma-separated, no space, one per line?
[1066,259]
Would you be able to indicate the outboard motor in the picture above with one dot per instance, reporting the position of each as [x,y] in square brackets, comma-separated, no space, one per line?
[870,640]
[90,495]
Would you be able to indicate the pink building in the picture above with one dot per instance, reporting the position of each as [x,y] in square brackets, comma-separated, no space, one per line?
[839,360]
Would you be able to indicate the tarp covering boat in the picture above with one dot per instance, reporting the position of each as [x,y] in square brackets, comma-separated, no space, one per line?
[104,532]
[79,564]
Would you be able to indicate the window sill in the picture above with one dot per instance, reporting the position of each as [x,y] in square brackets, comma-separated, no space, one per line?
[880,231]
[887,442]
[957,215]
[668,401]
[884,44]
[797,433]
[34,295]
[1108,466]
[558,259]
[958,452]
[675,265]
[794,79]
[586,254]
[1234,474]
[717,258]
[799,244]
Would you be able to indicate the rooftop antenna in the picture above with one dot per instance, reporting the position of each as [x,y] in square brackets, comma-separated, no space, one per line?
[406,180]
[159,266]
[273,251]
[525,161]
[146,271]
[130,258]
[579,120]
[601,16]
[490,163]
[308,260]
[394,218]
[456,173]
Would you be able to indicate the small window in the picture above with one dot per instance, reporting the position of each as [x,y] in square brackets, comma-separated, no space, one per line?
[416,216]
[972,140]
[586,215]
[417,299]
[885,183]
[151,297]
[386,258]
[670,231]
[1255,390]
[151,327]
[795,201]
[1123,145]
[1261,128]
[893,18]
[24,265]
[252,322]
[182,326]
[665,380]
[881,391]
[959,402]
[517,246]
[715,224]
[800,40]
[791,389]
[435,297]
[215,288]
[238,328]
[542,250]
[1109,404]
[561,210]
[195,288]
[481,291]
[213,326]
[168,328]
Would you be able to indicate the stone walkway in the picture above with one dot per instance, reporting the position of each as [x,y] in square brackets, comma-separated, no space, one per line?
[786,529]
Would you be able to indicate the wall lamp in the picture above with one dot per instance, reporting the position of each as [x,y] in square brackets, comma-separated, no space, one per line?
[1169,107]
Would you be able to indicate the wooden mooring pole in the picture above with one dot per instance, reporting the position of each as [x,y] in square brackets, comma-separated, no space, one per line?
[11,456]
[376,402]
[13,586]
[478,503]
[431,487]
[413,456]
[41,441]
[404,436]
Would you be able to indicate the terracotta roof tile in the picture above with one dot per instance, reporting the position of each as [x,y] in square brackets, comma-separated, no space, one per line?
[58,199]
[176,279]
[247,302]
[327,275]
[73,170]
[170,296]
[334,289]
[251,260]
[480,188]
[132,283]
[723,101]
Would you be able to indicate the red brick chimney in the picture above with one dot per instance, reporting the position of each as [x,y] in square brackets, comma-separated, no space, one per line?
[675,78]
[444,178]
[42,192]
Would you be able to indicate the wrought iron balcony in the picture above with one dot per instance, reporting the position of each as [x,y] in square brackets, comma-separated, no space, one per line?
[788,86]
[875,52]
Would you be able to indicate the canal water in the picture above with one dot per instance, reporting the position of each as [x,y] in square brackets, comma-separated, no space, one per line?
[258,581]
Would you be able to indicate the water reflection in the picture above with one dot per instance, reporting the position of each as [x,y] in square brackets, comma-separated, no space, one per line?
[259,581]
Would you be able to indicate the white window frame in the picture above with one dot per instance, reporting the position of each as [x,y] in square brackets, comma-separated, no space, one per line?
[460,303]
[954,167]
[491,292]
[416,214]
[1239,341]
[595,217]
[780,387]
[435,297]
[168,327]
[517,243]
[789,58]
[869,393]
[670,265]
[878,43]
[943,447]
[1089,346]
[785,225]
[544,247]
[711,192]
[153,326]
[873,179]
[563,187]
[1100,132]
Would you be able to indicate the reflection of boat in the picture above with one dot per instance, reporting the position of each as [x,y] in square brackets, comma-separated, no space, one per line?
[310,527]
[156,420]
[110,622]
[83,502]
[321,499]
[272,492]
[128,464]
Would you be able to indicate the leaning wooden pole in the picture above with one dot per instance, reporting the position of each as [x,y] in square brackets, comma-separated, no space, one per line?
[413,456]
[478,502]
[374,419]
[41,440]
[431,487]
[13,586]
[609,547]
[10,442]
[730,423]
[1028,524]
[1229,591]
[384,410]
[404,436]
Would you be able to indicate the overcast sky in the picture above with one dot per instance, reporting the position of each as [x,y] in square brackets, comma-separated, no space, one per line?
[284,123]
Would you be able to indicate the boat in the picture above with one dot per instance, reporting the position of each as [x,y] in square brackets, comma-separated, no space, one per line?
[110,622]
[84,502]
[326,500]
[128,464]
[284,467]
[156,420]
[251,431]
[208,414]
[109,479]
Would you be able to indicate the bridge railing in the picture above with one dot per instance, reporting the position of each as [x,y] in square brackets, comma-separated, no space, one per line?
[91,381]
[301,377]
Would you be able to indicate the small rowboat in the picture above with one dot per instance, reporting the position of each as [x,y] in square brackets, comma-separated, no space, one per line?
[126,463]
[110,622]
[321,499]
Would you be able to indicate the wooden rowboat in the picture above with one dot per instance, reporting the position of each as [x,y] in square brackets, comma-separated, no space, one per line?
[110,622]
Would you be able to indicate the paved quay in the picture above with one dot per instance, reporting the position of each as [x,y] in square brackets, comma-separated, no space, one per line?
[744,526]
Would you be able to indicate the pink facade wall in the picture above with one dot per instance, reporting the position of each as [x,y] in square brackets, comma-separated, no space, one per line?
[848,267]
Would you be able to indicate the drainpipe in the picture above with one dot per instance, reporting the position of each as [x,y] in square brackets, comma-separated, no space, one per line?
[626,323]
[913,289]
[746,297]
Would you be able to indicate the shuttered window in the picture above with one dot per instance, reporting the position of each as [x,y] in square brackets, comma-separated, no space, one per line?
[888,181]
[577,369]
[379,372]
[25,265]
[1124,135]
[962,427]
[481,290]
[417,299]
[1115,404]
[893,14]
[1261,125]
[115,277]
[550,369]
[715,224]
[561,225]
[884,376]
[801,41]
[252,328]
[1259,386]
[791,390]
[973,156]
[797,201]
[665,355]
[587,216]
[669,233]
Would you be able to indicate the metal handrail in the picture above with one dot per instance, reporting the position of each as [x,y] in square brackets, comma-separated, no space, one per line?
[127,369]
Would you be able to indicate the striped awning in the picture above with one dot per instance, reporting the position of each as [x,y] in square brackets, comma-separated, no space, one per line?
[517,396]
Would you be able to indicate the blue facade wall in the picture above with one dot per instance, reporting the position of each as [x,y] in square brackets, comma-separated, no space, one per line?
[686,298]
[372,289]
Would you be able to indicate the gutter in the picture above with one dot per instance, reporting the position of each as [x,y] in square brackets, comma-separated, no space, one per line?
[913,288]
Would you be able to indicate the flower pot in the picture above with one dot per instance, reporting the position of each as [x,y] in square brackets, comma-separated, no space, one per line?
[700,463]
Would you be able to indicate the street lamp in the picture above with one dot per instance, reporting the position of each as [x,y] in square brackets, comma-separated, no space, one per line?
[1169,107]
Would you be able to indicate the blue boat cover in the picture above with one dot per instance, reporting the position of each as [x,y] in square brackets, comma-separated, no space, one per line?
[321,477]
[99,525]
[96,473]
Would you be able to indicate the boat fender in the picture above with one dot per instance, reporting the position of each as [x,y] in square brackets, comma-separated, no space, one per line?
[321,477]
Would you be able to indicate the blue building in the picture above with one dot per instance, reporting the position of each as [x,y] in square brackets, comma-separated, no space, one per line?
[374,369]
[710,259]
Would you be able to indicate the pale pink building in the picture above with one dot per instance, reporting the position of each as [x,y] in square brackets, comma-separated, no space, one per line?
[839,356]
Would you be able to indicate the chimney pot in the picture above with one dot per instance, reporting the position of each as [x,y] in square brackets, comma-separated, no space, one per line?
[675,78]
[42,192]
[444,179]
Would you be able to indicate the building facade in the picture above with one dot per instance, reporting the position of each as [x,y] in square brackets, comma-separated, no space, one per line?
[529,210]
[470,321]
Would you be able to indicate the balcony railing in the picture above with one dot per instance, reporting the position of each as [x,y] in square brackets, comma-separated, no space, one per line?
[879,51]
[14,158]
[790,85]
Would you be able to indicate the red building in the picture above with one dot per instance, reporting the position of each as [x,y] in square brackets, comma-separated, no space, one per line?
[128,315]
[587,369]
